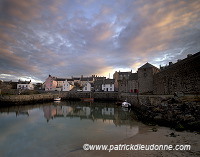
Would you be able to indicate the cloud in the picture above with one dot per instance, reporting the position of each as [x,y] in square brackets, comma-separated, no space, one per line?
[15,62]
[66,38]
[160,27]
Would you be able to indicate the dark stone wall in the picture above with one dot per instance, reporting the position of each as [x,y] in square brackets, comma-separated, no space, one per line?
[183,76]
[36,98]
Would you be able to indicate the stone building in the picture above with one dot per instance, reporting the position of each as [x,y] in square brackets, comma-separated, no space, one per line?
[183,76]
[129,84]
[133,83]
[98,85]
[119,76]
[145,78]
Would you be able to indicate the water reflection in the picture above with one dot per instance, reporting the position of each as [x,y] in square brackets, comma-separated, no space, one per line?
[61,127]
[92,112]
[95,111]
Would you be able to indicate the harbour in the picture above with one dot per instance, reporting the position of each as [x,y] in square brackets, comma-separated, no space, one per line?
[62,128]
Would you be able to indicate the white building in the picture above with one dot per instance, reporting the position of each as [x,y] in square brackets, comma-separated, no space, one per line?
[25,85]
[67,86]
[87,86]
[108,85]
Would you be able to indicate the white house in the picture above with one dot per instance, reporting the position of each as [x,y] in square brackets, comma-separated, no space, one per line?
[108,85]
[87,86]
[25,85]
[67,86]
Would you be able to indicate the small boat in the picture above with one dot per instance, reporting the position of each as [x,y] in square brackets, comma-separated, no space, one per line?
[90,99]
[126,104]
[118,103]
[57,99]
[87,99]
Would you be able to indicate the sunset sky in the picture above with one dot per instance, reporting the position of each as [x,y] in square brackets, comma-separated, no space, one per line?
[67,38]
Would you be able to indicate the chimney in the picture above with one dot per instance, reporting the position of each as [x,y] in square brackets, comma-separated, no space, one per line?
[189,55]
[170,63]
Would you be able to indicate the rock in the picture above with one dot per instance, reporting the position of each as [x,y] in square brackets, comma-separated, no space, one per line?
[179,127]
[189,117]
[172,134]
[158,117]
[154,129]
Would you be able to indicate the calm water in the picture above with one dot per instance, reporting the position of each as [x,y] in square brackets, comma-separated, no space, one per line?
[56,129]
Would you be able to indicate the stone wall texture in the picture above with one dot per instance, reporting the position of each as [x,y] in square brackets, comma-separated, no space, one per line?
[183,76]
[145,79]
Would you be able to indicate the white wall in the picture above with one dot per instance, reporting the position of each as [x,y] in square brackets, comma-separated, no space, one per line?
[25,86]
[87,87]
[66,86]
[108,87]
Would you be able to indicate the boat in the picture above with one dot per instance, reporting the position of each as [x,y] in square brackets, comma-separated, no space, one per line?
[90,99]
[126,104]
[87,99]
[57,99]
[118,103]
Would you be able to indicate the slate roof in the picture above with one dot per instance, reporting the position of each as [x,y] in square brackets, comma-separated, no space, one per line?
[60,79]
[24,82]
[70,79]
[109,81]
[76,78]
[86,79]
[124,73]
[98,82]
[147,65]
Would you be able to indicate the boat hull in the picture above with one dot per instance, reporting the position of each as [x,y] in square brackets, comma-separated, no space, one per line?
[126,105]
[87,99]
[57,99]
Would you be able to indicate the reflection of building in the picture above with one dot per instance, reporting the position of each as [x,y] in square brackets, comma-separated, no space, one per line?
[49,112]
[108,111]
[115,115]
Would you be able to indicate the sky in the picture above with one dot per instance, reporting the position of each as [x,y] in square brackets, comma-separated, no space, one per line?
[67,38]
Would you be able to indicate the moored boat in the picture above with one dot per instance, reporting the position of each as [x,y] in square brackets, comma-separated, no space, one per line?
[87,99]
[126,104]
[57,99]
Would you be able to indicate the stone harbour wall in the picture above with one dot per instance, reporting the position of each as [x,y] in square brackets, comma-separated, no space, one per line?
[36,98]
[183,76]
[179,112]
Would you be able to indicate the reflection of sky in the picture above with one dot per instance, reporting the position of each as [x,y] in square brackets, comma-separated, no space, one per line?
[33,136]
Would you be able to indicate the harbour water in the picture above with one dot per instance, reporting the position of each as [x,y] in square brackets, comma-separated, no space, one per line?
[59,128]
